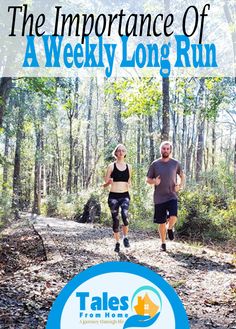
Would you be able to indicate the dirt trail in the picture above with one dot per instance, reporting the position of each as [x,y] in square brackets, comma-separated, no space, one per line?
[38,257]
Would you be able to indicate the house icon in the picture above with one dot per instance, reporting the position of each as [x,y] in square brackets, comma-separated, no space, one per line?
[145,306]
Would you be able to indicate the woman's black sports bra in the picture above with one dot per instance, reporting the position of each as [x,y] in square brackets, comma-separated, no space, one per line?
[120,175]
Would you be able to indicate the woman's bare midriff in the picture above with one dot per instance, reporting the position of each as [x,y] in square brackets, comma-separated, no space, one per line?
[119,187]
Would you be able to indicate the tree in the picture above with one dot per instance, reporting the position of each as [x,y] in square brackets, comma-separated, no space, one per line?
[20,100]
[5,87]
[165,110]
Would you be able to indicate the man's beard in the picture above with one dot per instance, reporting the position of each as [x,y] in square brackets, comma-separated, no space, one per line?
[165,155]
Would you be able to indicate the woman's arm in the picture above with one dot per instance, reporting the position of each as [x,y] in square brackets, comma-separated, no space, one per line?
[130,173]
[108,179]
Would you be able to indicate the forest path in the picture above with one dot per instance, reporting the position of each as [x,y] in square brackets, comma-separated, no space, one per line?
[38,257]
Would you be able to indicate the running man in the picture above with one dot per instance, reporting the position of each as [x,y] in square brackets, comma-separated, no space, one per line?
[163,174]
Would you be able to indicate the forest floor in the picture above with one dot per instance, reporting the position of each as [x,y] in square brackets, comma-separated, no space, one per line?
[38,257]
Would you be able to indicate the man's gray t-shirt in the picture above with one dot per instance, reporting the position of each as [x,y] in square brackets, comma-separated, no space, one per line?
[167,171]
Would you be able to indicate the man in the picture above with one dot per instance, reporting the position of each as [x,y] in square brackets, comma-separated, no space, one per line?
[163,174]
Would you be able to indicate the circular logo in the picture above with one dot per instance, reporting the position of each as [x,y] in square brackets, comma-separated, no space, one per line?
[117,295]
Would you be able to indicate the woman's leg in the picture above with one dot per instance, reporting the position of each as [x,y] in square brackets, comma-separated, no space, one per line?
[114,208]
[124,204]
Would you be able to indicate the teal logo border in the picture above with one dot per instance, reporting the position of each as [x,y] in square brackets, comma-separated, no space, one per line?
[54,318]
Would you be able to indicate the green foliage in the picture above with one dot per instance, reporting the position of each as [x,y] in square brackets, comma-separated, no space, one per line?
[45,86]
[5,207]
[141,210]
[140,96]
[2,159]
[220,180]
[50,205]
[68,205]
[216,96]
[108,157]
[62,206]
[68,105]
[204,215]
[2,102]
[194,220]
[184,91]
[225,220]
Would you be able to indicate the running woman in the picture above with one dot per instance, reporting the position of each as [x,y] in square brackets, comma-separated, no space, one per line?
[118,176]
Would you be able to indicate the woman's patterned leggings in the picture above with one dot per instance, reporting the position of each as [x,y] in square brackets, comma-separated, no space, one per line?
[115,204]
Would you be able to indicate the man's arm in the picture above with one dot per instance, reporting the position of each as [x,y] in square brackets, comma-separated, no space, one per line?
[180,185]
[153,181]
[182,180]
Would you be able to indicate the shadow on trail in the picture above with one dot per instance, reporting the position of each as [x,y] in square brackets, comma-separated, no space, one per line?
[208,323]
[81,233]
[200,262]
[19,251]
[20,311]
[130,258]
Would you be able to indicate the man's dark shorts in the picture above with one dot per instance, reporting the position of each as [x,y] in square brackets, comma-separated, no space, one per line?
[165,210]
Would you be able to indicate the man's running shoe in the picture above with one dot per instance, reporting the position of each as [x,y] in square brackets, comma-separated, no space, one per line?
[163,247]
[170,234]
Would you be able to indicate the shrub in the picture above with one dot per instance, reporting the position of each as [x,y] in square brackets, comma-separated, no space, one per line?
[225,220]
[196,212]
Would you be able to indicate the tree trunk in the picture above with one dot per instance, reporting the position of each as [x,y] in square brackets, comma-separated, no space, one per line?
[231,22]
[166,94]
[96,140]
[151,140]
[58,157]
[17,163]
[69,177]
[200,147]
[200,132]
[165,110]
[190,146]
[213,139]
[87,147]
[5,88]
[76,139]
[235,169]
[6,153]
[37,174]
[43,168]
[138,155]
[119,125]
[174,134]
[206,152]
[183,138]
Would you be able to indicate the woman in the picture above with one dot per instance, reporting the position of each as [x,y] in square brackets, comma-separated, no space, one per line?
[118,175]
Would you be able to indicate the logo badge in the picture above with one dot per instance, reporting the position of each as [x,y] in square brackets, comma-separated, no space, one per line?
[117,295]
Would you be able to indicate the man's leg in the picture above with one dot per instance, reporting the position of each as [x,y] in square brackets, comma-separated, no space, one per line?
[171,222]
[162,232]
[160,219]
[173,210]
